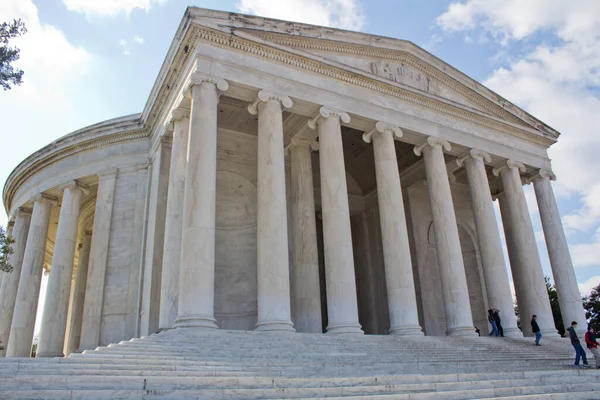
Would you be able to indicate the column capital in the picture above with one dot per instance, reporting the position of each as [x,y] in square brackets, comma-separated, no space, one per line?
[544,173]
[197,78]
[42,197]
[74,185]
[509,164]
[177,114]
[432,141]
[302,141]
[264,96]
[474,153]
[382,127]
[21,211]
[326,112]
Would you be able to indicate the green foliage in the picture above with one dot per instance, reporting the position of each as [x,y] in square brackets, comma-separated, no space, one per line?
[591,304]
[556,314]
[8,74]
[5,251]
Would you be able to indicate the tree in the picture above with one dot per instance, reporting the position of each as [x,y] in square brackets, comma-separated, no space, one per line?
[8,74]
[556,314]
[5,251]
[591,304]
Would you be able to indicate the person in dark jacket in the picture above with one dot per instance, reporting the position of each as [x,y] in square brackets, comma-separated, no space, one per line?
[592,344]
[536,329]
[498,321]
[492,322]
[579,351]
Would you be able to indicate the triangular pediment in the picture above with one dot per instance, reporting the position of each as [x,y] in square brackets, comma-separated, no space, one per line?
[356,57]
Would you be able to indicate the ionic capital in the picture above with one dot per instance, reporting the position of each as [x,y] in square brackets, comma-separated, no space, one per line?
[509,164]
[383,127]
[197,79]
[545,173]
[177,114]
[44,198]
[328,112]
[302,141]
[474,153]
[74,185]
[432,141]
[264,96]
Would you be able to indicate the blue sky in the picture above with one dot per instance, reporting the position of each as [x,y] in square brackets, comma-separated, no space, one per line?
[90,60]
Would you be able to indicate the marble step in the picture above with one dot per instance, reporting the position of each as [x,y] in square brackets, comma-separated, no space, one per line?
[55,382]
[575,390]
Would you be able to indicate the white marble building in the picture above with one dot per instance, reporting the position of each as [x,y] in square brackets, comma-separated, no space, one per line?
[284,176]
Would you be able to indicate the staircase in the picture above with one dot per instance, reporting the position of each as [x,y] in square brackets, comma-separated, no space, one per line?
[192,364]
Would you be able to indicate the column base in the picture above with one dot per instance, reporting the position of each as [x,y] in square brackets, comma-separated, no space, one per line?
[345,329]
[552,333]
[196,321]
[281,326]
[411,330]
[512,332]
[461,331]
[49,355]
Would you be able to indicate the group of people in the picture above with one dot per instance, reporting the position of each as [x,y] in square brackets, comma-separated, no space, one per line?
[590,337]
[496,322]
[590,341]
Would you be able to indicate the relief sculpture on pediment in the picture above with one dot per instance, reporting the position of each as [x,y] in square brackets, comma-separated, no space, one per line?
[407,75]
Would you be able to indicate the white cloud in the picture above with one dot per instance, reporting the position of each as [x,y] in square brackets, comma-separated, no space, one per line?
[49,60]
[125,44]
[586,287]
[109,8]
[345,14]
[558,81]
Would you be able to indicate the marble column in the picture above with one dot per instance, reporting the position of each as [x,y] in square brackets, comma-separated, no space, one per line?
[169,295]
[490,245]
[569,297]
[10,282]
[342,304]
[459,321]
[79,293]
[23,322]
[530,286]
[96,277]
[402,300]
[273,279]
[196,304]
[305,258]
[56,306]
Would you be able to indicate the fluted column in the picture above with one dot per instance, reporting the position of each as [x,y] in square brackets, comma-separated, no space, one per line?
[459,321]
[530,286]
[490,245]
[79,293]
[273,278]
[56,306]
[305,258]
[23,322]
[565,280]
[10,282]
[96,277]
[169,296]
[342,305]
[402,301]
[196,304]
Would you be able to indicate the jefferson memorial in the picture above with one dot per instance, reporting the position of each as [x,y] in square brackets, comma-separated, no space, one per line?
[286,177]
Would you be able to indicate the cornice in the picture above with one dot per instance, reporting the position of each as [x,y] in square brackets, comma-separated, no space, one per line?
[78,141]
